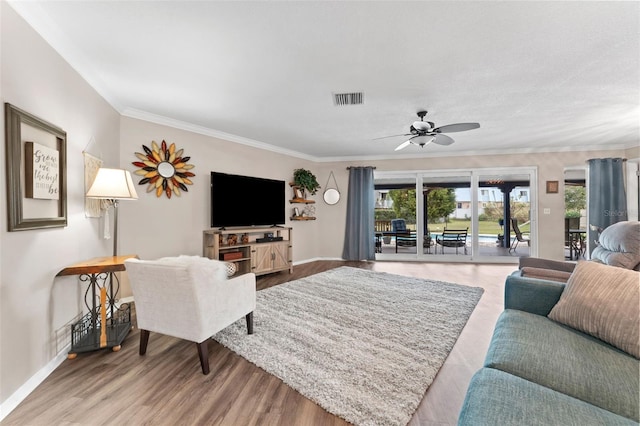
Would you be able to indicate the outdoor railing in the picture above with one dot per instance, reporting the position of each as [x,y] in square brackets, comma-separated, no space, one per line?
[383,225]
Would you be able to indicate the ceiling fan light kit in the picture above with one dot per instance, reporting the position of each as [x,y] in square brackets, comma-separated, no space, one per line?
[424,132]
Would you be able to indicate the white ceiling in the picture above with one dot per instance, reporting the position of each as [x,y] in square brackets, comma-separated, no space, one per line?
[537,76]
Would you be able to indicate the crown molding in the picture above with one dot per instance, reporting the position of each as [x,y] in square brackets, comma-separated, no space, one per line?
[183,125]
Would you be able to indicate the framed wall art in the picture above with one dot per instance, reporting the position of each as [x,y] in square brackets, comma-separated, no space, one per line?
[36,171]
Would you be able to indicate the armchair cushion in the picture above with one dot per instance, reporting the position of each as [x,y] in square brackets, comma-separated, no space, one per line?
[602,301]
[218,268]
[398,225]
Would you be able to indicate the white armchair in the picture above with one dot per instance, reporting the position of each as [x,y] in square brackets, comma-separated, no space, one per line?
[189,297]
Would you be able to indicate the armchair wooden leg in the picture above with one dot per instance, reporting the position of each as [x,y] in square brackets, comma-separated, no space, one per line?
[203,354]
[249,318]
[144,339]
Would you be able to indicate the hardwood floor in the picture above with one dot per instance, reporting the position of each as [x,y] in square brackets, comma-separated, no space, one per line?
[167,387]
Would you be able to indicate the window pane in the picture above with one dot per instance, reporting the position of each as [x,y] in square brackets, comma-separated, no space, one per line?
[504,215]
[447,213]
[395,215]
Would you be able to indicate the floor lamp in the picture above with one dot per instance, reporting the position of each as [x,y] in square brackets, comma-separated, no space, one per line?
[113,185]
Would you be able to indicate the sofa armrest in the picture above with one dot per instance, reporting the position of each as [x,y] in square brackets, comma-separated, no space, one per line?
[536,262]
[545,274]
[531,295]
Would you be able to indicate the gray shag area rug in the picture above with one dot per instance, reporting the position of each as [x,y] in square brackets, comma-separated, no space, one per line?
[363,345]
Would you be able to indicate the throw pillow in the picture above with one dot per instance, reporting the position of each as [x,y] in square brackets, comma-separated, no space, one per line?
[232,268]
[602,301]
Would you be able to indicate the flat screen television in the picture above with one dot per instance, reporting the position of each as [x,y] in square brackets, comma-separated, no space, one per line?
[246,201]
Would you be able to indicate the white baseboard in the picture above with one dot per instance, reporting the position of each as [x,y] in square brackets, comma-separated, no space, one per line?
[30,385]
[125,300]
[314,259]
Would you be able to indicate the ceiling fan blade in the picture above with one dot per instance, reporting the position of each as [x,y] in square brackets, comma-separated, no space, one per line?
[403,145]
[392,136]
[458,127]
[441,139]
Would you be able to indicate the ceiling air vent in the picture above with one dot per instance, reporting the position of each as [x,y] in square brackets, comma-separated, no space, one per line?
[353,98]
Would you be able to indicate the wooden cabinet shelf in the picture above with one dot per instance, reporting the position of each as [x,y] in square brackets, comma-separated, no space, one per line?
[302,218]
[298,198]
[257,257]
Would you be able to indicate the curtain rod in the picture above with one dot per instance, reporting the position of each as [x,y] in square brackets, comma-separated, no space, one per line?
[355,167]
[590,159]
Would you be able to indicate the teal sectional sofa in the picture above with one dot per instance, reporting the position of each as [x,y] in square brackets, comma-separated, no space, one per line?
[539,371]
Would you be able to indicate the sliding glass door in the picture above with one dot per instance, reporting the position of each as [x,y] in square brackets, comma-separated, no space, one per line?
[447,214]
[504,214]
[396,221]
[483,215]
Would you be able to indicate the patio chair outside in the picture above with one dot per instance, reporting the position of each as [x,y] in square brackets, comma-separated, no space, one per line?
[519,238]
[453,238]
[404,237]
[427,242]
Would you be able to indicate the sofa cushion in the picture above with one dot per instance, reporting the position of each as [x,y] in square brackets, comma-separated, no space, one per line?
[498,398]
[603,301]
[568,361]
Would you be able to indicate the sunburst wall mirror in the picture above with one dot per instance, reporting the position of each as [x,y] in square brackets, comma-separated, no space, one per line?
[164,169]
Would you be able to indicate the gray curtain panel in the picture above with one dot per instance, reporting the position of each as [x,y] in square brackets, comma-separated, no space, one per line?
[607,202]
[359,234]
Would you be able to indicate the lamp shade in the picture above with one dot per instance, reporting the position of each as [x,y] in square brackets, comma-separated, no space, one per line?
[113,184]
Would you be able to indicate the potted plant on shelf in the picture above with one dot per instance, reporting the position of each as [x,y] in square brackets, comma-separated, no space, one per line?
[305,181]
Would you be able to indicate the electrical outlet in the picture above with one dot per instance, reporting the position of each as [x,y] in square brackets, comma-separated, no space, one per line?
[547,210]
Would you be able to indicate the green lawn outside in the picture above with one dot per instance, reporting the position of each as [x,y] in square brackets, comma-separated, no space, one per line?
[486,227]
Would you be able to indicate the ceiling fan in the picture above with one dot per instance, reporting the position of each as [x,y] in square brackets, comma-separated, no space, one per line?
[424,132]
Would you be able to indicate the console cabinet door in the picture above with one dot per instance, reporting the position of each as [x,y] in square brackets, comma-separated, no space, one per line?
[263,258]
[281,255]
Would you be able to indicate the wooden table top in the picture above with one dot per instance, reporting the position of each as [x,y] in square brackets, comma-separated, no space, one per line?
[97,265]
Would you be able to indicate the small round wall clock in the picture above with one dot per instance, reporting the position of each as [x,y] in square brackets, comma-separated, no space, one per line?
[164,169]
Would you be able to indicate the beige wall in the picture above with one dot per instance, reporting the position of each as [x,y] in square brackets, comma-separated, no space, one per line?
[34,305]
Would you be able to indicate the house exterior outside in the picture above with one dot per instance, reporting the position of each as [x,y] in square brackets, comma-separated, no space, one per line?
[487,197]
